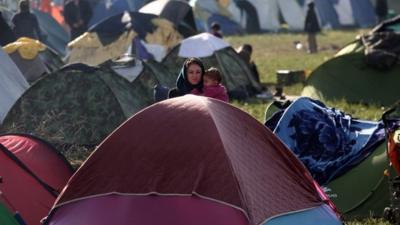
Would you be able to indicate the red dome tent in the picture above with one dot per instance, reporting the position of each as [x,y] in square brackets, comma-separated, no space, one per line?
[191,161]
[33,174]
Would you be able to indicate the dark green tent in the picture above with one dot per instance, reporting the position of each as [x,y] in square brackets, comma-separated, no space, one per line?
[364,190]
[237,76]
[349,77]
[75,105]
[6,218]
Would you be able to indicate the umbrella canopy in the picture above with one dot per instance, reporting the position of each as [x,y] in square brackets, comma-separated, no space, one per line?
[201,45]
[218,166]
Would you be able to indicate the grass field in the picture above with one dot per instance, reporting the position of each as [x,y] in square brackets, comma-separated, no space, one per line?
[272,52]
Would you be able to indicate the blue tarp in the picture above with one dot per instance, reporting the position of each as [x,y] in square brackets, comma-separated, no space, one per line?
[327,141]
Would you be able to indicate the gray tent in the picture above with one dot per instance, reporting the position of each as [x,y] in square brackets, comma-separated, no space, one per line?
[12,84]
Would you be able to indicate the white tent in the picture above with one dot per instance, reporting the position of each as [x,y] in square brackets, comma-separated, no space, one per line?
[268,14]
[12,84]
[201,45]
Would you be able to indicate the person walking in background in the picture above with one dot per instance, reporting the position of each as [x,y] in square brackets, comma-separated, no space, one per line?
[212,86]
[381,10]
[311,27]
[77,14]
[25,23]
[6,34]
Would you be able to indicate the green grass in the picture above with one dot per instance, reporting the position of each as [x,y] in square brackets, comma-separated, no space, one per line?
[276,51]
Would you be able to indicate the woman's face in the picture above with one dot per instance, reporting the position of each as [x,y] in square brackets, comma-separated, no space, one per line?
[193,74]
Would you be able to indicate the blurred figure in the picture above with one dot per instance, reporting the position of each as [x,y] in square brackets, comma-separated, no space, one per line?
[245,52]
[312,27]
[216,30]
[381,10]
[25,23]
[6,34]
[77,14]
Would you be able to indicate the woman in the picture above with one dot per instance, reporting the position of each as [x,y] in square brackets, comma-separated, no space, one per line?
[190,77]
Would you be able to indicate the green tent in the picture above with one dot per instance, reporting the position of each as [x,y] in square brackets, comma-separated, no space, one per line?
[364,190]
[75,105]
[237,76]
[6,218]
[349,77]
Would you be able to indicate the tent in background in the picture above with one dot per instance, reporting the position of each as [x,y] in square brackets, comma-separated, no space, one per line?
[12,84]
[226,13]
[54,34]
[270,11]
[112,37]
[348,77]
[33,58]
[179,12]
[212,176]
[33,174]
[75,105]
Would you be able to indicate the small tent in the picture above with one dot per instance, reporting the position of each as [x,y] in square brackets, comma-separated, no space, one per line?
[226,13]
[215,52]
[33,58]
[75,105]
[12,84]
[269,13]
[179,12]
[112,37]
[208,174]
[349,77]
[33,174]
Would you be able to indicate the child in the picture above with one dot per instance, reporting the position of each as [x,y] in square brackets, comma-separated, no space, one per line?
[212,86]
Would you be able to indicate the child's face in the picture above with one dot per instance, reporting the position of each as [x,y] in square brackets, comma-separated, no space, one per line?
[207,81]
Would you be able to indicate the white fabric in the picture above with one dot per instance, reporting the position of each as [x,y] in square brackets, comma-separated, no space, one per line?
[154,7]
[201,45]
[12,84]
[345,12]
[129,72]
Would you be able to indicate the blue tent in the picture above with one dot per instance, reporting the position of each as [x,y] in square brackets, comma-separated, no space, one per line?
[364,13]
[106,8]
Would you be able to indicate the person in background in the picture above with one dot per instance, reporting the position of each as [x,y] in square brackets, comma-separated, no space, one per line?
[6,34]
[25,23]
[311,27]
[212,86]
[189,78]
[381,10]
[216,30]
[77,14]
[245,52]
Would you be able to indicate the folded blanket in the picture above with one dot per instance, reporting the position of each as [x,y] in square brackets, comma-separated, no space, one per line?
[328,141]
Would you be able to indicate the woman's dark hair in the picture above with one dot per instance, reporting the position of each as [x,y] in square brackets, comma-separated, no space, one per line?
[196,61]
